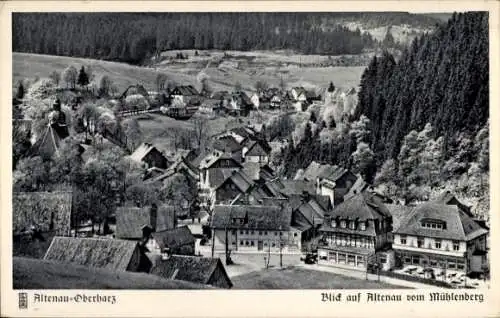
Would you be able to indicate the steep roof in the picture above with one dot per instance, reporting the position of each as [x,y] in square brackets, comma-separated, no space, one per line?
[131,220]
[46,210]
[186,90]
[240,179]
[220,95]
[174,238]
[189,268]
[459,226]
[259,217]
[447,197]
[227,144]
[47,145]
[322,171]
[141,152]
[217,177]
[363,206]
[93,252]
[399,214]
[257,147]
[291,187]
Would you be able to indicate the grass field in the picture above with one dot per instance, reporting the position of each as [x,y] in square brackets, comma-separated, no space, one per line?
[38,274]
[269,67]
[299,278]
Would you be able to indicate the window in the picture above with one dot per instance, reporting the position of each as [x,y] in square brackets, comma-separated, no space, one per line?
[334,223]
[234,243]
[383,260]
[281,233]
[352,225]
[433,225]
[241,242]
[456,245]
[342,224]
[252,233]
[452,265]
[433,263]
[273,244]
[420,242]
[437,244]
[265,243]
[407,260]
[275,233]
[363,226]
[241,232]
[252,243]
[460,266]
[415,260]
[260,232]
[242,221]
[234,232]
[246,232]
[265,232]
[341,258]
[295,234]
[402,239]
[351,259]
[246,243]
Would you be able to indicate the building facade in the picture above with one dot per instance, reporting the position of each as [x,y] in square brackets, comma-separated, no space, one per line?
[355,232]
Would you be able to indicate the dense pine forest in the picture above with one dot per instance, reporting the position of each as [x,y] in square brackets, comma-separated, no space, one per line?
[135,37]
[421,121]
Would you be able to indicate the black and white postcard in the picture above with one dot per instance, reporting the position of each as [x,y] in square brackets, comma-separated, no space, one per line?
[334,155]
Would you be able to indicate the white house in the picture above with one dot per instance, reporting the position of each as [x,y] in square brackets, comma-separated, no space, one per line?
[443,237]
[255,100]
[256,228]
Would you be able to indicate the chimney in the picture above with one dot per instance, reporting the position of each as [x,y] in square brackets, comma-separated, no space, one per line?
[153,215]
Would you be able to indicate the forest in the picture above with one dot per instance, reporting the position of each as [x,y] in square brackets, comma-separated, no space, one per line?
[421,121]
[135,37]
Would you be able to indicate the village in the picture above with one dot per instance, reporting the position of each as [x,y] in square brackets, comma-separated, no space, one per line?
[243,224]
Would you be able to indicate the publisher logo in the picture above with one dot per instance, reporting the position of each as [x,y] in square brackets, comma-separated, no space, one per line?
[23,300]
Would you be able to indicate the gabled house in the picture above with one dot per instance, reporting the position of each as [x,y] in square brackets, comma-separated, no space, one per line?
[255,99]
[355,232]
[150,155]
[111,254]
[236,185]
[185,95]
[195,269]
[134,223]
[254,228]
[214,169]
[44,211]
[176,241]
[258,172]
[333,181]
[442,237]
[256,150]
[230,146]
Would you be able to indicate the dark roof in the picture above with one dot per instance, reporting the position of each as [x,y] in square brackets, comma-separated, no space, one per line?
[291,187]
[449,198]
[254,149]
[186,90]
[189,268]
[131,220]
[363,206]
[322,171]
[459,226]
[227,144]
[221,95]
[399,214]
[259,217]
[252,169]
[111,254]
[174,238]
[47,145]
[37,208]
[217,177]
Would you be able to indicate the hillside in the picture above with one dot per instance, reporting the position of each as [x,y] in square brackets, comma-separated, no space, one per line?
[31,273]
[268,67]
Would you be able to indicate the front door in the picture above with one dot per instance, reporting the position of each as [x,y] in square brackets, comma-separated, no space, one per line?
[260,246]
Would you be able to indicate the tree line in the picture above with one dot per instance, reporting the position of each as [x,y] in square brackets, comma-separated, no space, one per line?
[421,123]
[134,37]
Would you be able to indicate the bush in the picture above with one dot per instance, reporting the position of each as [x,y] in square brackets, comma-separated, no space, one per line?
[136,101]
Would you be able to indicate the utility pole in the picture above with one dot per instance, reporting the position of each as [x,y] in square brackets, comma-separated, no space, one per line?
[281,249]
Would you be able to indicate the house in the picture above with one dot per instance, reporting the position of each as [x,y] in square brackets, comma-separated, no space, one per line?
[333,181]
[258,172]
[176,241]
[442,237]
[236,185]
[240,134]
[275,101]
[230,146]
[184,95]
[150,155]
[257,228]
[355,232]
[214,169]
[447,197]
[256,150]
[111,254]
[134,223]
[45,211]
[195,269]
